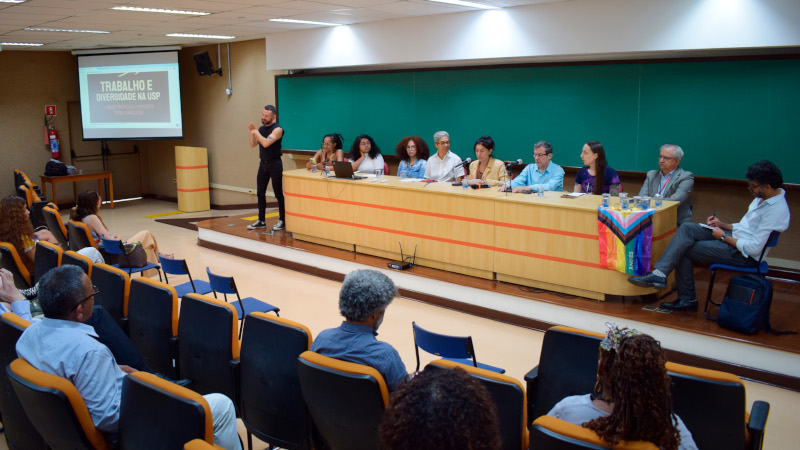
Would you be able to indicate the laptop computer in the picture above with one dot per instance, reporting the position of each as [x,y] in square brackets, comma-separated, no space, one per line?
[343,169]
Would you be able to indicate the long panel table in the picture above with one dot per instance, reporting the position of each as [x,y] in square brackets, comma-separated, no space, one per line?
[548,242]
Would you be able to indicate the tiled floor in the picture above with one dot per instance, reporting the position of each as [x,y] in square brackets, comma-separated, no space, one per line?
[313,302]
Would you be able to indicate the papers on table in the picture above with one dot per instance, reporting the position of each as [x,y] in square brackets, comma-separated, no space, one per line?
[409,180]
[576,194]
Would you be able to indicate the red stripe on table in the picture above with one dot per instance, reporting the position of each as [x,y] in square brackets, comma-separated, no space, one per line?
[446,216]
[193,190]
[668,233]
[447,241]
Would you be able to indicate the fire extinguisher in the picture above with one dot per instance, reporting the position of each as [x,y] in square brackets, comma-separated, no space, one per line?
[53,135]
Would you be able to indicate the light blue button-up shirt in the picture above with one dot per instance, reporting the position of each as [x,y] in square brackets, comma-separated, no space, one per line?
[552,179]
[71,350]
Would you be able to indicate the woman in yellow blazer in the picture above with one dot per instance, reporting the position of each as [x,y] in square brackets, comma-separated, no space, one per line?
[486,170]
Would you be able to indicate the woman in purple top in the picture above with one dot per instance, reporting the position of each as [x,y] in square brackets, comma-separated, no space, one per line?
[596,177]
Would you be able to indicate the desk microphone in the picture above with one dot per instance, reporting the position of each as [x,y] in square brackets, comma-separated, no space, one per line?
[463,164]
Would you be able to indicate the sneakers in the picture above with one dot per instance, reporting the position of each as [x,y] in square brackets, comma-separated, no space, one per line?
[279,226]
[256,225]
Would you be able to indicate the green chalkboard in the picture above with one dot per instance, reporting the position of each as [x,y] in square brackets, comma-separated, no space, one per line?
[725,114]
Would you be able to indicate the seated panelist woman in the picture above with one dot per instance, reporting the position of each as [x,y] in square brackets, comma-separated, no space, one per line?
[331,151]
[596,177]
[412,152]
[365,155]
[486,169]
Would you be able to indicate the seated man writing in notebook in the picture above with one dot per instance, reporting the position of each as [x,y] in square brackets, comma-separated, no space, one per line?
[739,244]
[671,182]
[363,300]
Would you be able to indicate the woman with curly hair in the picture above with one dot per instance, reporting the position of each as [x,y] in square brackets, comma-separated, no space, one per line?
[365,155]
[16,229]
[86,211]
[331,151]
[412,152]
[441,409]
[632,400]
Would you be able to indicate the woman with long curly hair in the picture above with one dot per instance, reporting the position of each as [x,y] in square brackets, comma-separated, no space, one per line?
[86,211]
[365,155]
[16,229]
[412,152]
[441,409]
[632,399]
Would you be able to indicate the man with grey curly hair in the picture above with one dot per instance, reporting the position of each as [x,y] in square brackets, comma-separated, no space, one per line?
[363,300]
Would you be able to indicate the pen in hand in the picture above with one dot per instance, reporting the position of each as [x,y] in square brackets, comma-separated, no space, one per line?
[715,214]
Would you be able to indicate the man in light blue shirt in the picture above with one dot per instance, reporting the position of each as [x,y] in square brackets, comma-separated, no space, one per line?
[363,300]
[544,173]
[63,345]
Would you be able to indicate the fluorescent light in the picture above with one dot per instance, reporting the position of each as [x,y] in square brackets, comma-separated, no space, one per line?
[66,31]
[202,36]
[307,22]
[467,4]
[22,44]
[11,1]
[158,10]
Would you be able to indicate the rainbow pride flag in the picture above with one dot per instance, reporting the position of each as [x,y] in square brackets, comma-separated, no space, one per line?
[625,240]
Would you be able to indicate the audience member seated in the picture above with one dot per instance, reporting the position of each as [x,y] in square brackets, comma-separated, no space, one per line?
[444,165]
[16,229]
[89,203]
[739,244]
[331,151]
[596,177]
[413,153]
[363,300]
[544,173]
[107,329]
[365,155]
[671,182]
[441,409]
[63,345]
[487,169]
[632,400]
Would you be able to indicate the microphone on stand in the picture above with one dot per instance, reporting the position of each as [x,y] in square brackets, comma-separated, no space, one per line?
[463,164]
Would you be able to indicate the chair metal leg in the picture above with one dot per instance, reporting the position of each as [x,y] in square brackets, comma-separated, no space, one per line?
[708,295]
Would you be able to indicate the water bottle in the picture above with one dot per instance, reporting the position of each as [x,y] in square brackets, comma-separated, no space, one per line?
[658,199]
[606,200]
[540,191]
[327,170]
[464,183]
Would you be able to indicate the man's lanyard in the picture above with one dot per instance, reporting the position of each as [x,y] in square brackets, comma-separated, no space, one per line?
[663,185]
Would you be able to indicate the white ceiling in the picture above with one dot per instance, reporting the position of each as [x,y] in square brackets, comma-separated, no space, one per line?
[245,19]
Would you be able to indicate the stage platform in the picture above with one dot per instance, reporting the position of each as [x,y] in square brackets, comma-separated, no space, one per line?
[688,336]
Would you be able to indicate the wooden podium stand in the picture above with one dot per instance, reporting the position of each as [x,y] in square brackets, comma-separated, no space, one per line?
[191,167]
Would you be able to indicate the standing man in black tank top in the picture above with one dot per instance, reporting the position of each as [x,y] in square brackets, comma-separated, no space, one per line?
[268,138]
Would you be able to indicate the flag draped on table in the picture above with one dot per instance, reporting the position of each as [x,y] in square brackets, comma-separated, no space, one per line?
[625,240]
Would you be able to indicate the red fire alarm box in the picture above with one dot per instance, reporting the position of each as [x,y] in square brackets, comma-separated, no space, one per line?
[50,110]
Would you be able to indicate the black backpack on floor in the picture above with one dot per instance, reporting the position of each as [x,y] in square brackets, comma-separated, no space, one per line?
[745,308]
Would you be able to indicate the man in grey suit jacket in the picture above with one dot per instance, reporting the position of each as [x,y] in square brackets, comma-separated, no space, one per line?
[672,182]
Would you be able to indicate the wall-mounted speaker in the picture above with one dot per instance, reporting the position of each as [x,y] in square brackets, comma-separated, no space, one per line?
[204,66]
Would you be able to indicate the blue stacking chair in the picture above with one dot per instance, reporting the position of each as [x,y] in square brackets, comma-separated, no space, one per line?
[760,269]
[226,285]
[174,266]
[452,348]
[115,247]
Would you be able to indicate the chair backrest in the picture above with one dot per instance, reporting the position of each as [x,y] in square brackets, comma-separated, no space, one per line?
[173,266]
[208,345]
[10,260]
[772,241]
[27,191]
[113,246]
[712,404]
[76,259]
[19,431]
[346,400]
[48,256]
[567,366]
[153,322]
[156,413]
[385,168]
[114,285]
[56,226]
[55,408]
[272,403]
[80,236]
[222,284]
[443,345]
[508,395]
[549,433]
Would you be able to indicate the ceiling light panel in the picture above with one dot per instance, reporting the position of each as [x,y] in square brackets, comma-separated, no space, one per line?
[159,10]
[64,30]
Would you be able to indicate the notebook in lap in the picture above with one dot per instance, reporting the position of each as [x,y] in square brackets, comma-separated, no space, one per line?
[343,169]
